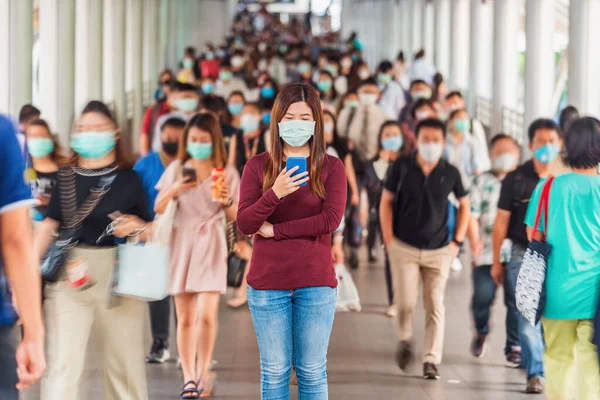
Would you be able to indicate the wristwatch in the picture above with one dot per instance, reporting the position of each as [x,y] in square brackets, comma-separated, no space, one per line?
[229,203]
[456,242]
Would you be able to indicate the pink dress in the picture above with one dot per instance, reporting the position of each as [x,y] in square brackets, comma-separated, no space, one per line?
[199,244]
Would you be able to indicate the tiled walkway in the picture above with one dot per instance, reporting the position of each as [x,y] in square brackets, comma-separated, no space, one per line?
[361,362]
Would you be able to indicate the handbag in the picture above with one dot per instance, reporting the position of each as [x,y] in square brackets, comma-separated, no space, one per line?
[530,291]
[55,259]
[347,293]
[236,265]
[162,228]
[142,271]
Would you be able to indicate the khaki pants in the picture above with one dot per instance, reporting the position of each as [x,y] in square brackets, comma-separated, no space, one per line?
[571,360]
[119,329]
[433,266]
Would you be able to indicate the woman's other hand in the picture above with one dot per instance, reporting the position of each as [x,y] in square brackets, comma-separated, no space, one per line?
[285,184]
[266,230]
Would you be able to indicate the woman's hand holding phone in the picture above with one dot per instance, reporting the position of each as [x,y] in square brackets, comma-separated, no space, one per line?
[183,185]
[285,184]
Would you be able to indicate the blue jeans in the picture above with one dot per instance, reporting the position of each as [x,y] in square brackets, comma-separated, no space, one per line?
[293,327]
[484,292]
[531,339]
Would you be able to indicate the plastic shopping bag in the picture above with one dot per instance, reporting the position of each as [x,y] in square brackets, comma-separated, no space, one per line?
[347,294]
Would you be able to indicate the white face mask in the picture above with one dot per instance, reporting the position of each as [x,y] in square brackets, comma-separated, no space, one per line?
[364,74]
[346,63]
[367,99]
[421,115]
[237,61]
[505,162]
[431,152]
[328,126]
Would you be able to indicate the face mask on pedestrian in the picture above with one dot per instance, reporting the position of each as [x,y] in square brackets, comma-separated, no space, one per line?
[303,68]
[346,63]
[384,78]
[296,133]
[351,104]
[93,144]
[220,53]
[421,94]
[262,47]
[547,153]
[267,92]
[188,63]
[40,147]
[170,148]
[249,122]
[328,128]
[208,88]
[392,143]
[364,74]
[462,125]
[186,105]
[199,151]
[421,115]
[235,108]
[266,118]
[324,85]
[367,99]
[505,162]
[209,55]
[237,62]
[225,76]
[431,152]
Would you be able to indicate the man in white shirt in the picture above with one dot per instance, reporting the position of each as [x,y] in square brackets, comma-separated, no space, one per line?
[228,83]
[392,95]
[422,69]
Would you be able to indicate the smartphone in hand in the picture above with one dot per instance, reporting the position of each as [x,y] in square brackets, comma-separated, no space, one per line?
[190,174]
[299,162]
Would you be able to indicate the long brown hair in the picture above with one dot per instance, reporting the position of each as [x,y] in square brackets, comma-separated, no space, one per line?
[207,122]
[296,93]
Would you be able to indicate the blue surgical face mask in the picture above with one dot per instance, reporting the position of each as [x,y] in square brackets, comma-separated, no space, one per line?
[208,88]
[546,153]
[267,92]
[324,85]
[93,144]
[296,133]
[266,118]
[188,63]
[186,105]
[40,147]
[199,151]
[393,143]
[235,108]
[220,54]
[209,55]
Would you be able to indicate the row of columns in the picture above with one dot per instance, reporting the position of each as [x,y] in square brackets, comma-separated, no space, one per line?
[473,43]
[111,50]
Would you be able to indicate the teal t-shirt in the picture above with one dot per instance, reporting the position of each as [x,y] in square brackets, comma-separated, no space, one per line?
[573,275]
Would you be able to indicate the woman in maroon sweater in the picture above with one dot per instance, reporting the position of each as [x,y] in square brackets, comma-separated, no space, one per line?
[292,284]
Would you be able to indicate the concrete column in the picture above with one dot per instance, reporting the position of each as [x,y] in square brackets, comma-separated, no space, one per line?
[88,52]
[114,66]
[151,47]
[163,29]
[134,64]
[428,29]
[416,37]
[57,64]
[481,52]
[4,55]
[173,54]
[459,44]
[506,62]
[406,27]
[584,56]
[539,63]
[394,23]
[442,36]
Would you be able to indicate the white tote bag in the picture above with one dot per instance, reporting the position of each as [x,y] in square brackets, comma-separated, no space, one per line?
[347,294]
[162,228]
[142,271]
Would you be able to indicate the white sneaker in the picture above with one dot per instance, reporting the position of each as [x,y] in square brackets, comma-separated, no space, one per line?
[456,265]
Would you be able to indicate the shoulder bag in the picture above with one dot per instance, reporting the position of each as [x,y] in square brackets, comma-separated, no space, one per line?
[530,292]
[53,263]
[236,265]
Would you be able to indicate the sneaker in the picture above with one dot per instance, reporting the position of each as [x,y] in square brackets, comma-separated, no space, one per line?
[158,352]
[513,359]
[430,371]
[456,265]
[392,312]
[404,354]
[353,259]
[478,346]
[535,385]
[372,256]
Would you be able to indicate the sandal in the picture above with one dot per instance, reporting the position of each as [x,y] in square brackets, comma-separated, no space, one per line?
[189,393]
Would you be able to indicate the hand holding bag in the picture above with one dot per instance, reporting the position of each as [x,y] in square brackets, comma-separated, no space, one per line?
[530,292]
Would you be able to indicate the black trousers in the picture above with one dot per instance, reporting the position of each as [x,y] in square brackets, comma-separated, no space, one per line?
[8,364]
[160,318]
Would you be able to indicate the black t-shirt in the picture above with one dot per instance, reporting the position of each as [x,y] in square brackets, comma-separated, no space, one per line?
[126,195]
[421,206]
[516,191]
[43,186]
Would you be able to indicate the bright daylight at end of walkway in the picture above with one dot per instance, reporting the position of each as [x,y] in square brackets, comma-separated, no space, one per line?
[299,199]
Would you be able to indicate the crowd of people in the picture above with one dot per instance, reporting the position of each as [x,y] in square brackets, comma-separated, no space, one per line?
[392,159]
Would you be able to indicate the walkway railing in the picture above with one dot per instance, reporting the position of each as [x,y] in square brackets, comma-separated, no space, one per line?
[512,123]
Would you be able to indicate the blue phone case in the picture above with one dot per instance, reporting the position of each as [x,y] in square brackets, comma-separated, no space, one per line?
[299,162]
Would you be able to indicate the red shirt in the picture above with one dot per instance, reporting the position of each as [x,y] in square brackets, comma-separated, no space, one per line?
[300,253]
[147,120]
[209,68]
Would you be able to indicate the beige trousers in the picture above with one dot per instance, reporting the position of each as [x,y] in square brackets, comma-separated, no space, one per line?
[119,329]
[433,266]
